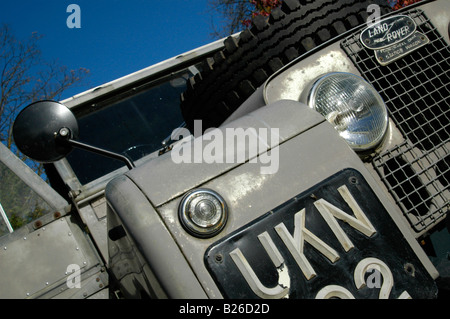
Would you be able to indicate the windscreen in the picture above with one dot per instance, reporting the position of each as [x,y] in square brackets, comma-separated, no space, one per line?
[134,126]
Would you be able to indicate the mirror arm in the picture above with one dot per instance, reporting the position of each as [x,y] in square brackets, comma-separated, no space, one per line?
[64,135]
[103,152]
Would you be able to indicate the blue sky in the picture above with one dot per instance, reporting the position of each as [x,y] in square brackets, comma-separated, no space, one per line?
[117,37]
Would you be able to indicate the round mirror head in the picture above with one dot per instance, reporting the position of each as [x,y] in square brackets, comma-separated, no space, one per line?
[37,127]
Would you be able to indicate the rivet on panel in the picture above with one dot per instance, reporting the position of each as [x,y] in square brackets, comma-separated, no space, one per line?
[38,224]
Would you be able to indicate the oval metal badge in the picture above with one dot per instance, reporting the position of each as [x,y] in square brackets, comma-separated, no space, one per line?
[387,32]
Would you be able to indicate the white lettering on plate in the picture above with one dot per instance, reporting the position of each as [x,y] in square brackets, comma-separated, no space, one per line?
[394,35]
[379,29]
[295,245]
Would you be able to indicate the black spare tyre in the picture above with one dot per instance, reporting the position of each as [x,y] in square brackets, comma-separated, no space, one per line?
[233,74]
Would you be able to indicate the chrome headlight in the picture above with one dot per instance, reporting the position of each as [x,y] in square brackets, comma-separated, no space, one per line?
[352,106]
[203,213]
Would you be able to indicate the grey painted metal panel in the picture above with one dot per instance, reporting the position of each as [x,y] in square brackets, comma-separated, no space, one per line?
[156,244]
[40,260]
[164,179]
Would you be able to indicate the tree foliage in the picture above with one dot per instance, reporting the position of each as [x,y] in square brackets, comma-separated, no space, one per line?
[261,8]
[25,78]
[238,14]
[398,4]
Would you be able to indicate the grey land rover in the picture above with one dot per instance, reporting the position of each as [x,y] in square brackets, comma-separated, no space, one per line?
[307,156]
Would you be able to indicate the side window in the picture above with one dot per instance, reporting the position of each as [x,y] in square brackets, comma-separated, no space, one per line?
[19,204]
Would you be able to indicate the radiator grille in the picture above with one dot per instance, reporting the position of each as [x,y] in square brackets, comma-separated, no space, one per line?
[416,89]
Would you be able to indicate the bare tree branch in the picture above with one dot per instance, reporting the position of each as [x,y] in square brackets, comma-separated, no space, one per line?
[234,12]
[25,78]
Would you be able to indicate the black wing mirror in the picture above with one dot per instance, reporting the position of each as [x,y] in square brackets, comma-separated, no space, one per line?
[47,131]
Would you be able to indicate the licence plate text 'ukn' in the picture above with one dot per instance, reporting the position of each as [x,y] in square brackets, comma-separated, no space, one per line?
[334,240]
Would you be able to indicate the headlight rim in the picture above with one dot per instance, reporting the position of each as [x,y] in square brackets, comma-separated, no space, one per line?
[309,100]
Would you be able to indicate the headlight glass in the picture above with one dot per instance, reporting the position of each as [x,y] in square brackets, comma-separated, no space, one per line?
[353,107]
[203,213]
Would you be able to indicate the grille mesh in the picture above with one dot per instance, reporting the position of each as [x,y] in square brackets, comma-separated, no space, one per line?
[416,89]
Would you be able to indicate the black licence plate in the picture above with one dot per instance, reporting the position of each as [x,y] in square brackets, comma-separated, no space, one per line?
[334,240]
